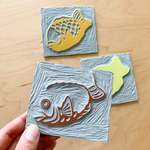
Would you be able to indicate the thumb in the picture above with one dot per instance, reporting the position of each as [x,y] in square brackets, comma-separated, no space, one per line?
[29,139]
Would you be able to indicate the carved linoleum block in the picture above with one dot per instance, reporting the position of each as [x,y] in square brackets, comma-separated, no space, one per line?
[120,65]
[70,102]
[68,31]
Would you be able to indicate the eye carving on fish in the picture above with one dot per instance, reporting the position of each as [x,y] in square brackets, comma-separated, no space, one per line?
[73,107]
[71,30]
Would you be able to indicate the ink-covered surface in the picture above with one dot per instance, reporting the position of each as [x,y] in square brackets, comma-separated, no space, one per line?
[128,92]
[94,126]
[88,43]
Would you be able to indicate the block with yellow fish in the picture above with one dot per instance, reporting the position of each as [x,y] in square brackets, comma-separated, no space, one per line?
[68,31]
[120,65]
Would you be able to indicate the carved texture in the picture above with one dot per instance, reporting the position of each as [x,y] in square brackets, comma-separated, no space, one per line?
[94,125]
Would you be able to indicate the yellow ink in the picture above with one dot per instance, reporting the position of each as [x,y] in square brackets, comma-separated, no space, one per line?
[71,29]
[118,70]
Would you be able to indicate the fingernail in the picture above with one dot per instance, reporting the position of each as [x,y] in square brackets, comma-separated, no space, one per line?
[56,137]
[32,133]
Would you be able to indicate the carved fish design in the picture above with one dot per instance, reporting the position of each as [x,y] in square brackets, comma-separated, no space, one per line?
[73,107]
[70,29]
[119,71]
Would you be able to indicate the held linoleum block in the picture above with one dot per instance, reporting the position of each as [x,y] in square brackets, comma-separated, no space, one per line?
[69,102]
[120,65]
[68,31]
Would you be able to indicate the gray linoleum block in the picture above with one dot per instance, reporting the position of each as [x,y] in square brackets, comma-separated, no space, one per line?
[128,92]
[87,45]
[95,124]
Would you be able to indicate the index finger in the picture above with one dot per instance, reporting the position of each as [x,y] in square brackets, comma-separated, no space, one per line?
[13,129]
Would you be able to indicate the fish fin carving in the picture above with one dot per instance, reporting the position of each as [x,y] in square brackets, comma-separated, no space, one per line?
[58,20]
[77,15]
[67,109]
[96,93]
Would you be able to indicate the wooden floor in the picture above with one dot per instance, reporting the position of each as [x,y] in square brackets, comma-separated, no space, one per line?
[122,26]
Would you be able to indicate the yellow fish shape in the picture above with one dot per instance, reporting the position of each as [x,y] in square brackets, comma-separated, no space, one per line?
[118,70]
[71,29]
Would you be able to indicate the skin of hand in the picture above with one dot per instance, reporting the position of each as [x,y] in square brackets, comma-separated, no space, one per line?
[14,136]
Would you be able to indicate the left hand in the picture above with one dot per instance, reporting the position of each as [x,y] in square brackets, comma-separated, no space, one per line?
[14,136]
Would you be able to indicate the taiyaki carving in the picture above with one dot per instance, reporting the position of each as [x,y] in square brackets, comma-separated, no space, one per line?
[119,71]
[70,29]
[70,106]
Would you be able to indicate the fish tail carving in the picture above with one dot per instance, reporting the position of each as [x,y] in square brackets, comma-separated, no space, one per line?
[96,93]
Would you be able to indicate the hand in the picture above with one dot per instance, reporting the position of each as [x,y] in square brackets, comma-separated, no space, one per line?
[14,136]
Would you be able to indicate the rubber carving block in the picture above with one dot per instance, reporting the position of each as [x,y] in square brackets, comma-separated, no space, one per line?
[123,86]
[68,31]
[118,69]
[69,102]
